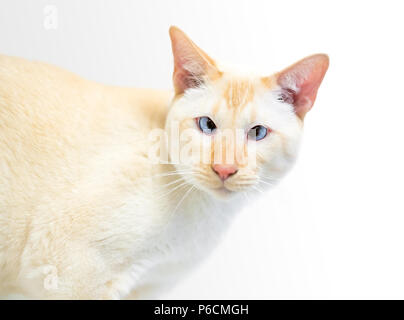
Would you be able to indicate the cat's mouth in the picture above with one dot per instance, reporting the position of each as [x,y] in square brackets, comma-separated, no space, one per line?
[224,190]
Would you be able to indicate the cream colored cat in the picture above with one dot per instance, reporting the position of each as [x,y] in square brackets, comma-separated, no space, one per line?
[84,211]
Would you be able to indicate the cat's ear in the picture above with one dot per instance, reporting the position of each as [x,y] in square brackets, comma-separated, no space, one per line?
[192,66]
[301,81]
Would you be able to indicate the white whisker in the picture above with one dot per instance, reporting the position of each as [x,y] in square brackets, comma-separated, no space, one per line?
[267,183]
[258,189]
[172,190]
[181,200]
[268,178]
[173,182]
[166,174]
[245,183]
[247,196]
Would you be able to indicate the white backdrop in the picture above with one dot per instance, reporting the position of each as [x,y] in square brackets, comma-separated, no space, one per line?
[334,227]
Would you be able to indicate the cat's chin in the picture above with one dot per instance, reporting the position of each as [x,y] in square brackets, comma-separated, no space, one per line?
[223,193]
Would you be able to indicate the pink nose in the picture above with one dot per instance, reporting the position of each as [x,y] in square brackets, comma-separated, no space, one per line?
[224,171]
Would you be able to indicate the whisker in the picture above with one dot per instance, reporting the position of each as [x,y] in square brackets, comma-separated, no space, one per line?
[201,176]
[253,178]
[172,182]
[172,190]
[272,179]
[256,188]
[247,196]
[265,182]
[244,183]
[182,199]
[169,174]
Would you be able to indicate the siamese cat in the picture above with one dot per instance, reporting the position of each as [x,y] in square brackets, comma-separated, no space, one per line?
[86,211]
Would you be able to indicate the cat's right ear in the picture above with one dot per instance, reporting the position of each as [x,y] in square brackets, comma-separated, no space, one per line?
[192,66]
[301,81]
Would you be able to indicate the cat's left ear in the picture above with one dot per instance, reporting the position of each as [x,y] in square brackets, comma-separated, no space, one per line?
[192,66]
[301,81]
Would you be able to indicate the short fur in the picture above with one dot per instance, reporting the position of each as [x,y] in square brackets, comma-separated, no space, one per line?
[85,214]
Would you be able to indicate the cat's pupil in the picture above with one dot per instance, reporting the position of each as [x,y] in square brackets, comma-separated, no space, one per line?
[206,125]
[257,132]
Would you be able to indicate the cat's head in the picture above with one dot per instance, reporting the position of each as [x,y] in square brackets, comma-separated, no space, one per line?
[230,133]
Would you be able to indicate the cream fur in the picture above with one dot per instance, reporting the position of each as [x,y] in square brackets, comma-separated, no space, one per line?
[84,214]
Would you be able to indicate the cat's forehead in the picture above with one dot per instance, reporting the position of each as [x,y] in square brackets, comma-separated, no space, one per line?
[238,94]
[237,101]
[237,90]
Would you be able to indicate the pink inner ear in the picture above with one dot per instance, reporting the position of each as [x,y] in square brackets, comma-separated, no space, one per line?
[184,80]
[304,79]
[191,65]
[308,92]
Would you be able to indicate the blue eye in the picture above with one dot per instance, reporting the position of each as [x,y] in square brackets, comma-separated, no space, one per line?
[257,133]
[206,125]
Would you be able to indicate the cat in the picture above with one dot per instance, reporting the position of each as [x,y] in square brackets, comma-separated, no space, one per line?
[86,212]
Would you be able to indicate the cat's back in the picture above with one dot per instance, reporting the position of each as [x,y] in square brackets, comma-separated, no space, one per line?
[59,131]
[55,125]
[45,99]
[48,117]
[52,119]
[36,95]
[41,103]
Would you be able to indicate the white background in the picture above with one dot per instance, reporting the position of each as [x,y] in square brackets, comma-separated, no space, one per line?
[334,227]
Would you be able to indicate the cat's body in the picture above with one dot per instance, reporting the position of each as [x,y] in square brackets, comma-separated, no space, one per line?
[105,161]
[84,213]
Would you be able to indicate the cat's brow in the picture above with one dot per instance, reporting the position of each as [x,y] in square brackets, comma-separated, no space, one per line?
[238,93]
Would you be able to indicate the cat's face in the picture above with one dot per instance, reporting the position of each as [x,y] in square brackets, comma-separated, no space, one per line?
[228,133]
